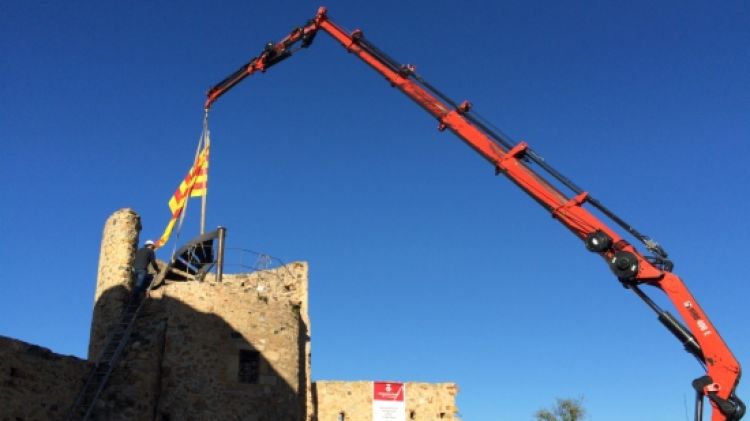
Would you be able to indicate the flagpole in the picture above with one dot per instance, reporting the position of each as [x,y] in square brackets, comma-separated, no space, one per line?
[203,212]
[206,141]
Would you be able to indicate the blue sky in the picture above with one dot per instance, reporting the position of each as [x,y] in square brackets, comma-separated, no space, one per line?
[423,265]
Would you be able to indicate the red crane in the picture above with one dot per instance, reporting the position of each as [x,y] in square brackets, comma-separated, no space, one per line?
[515,160]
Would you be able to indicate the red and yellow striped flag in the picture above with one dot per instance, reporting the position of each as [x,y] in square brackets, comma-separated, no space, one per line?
[200,181]
[195,184]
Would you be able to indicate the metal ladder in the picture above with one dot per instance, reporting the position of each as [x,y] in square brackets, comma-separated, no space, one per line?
[108,359]
[191,262]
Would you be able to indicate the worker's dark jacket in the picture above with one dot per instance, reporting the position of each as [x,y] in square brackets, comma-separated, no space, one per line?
[144,257]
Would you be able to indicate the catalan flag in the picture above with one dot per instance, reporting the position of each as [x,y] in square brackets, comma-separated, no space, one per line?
[195,184]
[200,183]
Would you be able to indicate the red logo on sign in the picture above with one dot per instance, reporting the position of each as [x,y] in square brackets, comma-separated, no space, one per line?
[388,391]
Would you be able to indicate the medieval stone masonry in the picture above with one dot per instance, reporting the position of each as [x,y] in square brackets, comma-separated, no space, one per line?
[232,350]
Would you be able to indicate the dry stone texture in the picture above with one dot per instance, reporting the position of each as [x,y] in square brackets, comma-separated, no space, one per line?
[35,383]
[353,401]
[210,324]
[119,243]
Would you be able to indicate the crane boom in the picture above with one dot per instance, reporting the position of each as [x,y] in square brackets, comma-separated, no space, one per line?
[515,160]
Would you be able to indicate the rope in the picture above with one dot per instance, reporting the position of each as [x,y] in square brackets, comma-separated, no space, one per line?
[201,143]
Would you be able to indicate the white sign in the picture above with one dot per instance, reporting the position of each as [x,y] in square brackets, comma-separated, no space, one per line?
[388,401]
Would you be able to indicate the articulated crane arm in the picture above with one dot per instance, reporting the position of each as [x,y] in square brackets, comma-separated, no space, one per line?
[700,338]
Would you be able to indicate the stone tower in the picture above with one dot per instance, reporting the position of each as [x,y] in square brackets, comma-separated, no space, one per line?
[237,349]
[119,243]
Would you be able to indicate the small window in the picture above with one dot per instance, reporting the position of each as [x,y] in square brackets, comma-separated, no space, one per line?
[249,369]
[342,416]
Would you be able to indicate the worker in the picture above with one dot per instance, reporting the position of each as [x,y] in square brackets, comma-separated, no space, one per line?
[143,258]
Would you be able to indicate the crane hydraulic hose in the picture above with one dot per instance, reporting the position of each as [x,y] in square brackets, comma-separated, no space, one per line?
[514,160]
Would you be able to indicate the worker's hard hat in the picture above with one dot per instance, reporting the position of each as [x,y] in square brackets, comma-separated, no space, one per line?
[149,243]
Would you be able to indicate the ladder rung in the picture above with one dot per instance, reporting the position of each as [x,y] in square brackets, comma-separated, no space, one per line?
[101,372]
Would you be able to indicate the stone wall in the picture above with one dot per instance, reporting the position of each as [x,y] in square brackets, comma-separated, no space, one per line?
[353,401]
[238,349]
[35,383]
[134,386]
